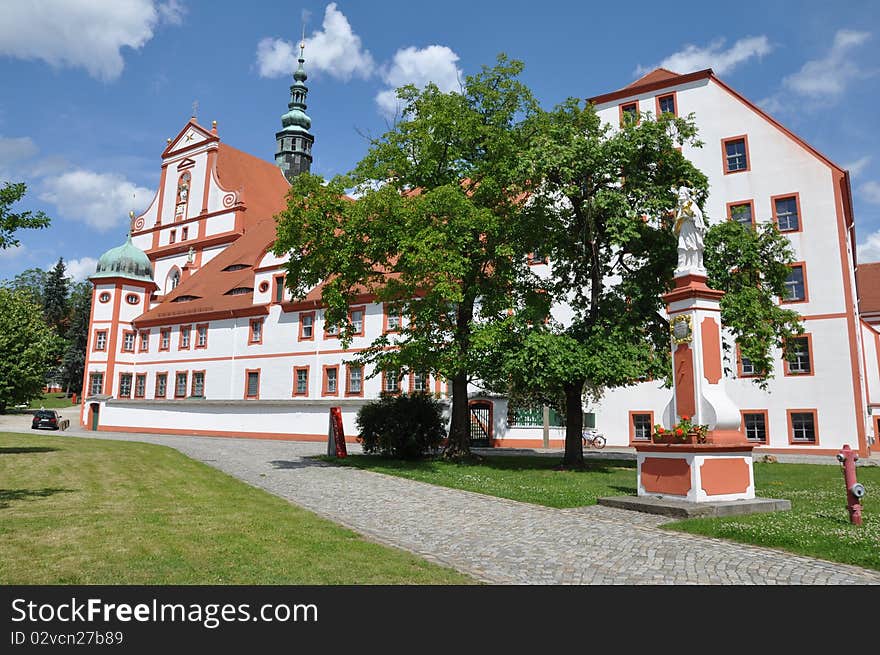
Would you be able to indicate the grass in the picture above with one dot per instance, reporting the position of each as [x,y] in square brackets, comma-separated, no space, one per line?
[528,479]
[51,401]
[84,511]
[817,525]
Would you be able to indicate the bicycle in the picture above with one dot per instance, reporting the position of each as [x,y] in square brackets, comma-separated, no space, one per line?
[593,438]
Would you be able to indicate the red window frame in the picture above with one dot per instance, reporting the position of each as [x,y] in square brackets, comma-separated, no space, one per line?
[199,326]
[251,323]
[797,203]
[389,309]
[137,377]
[144,341]
[92,376]
[160,374]
[277,283]
[247,374]
[164,337]
[311,337]
[125,335]
[192,384]
[325,379]
[363,310]
[803,266]
[674,97]
[740,137]
[785,362]
[742,415]
[348,369]
[740,203]
[385,376]
[632,425]
[296,370]
[185,330]
[95,341]
[119,388]
[185,386]
[622,109]
[794,442]
[412,382]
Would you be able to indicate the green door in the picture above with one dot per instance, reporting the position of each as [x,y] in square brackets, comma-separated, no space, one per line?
[95,407]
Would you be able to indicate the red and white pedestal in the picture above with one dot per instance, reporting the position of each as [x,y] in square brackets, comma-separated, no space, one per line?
[720,469]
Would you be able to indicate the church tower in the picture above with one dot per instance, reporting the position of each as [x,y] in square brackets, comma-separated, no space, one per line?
[294,152]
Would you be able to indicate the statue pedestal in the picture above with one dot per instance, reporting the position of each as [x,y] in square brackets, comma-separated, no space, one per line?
[696,472]
[721,468]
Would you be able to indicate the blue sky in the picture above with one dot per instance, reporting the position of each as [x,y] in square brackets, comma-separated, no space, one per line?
[91,90]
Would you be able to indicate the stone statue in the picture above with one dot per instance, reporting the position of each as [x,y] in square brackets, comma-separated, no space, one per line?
[191,256]
[690,228]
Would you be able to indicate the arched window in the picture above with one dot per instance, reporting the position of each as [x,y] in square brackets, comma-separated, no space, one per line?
[183,184]
[172,280]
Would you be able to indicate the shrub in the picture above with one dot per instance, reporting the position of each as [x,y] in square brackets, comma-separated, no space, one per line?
[404,426]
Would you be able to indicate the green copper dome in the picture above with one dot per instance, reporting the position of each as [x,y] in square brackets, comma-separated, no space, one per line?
[127,261]
[296,118]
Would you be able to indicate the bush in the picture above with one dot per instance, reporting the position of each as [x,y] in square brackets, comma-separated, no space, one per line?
[404,426]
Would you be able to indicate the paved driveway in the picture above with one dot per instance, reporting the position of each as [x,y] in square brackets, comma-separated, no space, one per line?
[496,540]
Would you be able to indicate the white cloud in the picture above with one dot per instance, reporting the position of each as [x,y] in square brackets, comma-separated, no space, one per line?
[830,75]
[80,269]
[693,58]
[418,66]
[82,33]
[334,49]
[14,151]
[869,250]
[101,200]
[870,191]
[858,166]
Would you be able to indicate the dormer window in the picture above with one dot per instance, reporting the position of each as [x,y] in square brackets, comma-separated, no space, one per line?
[239,291]
[236,267]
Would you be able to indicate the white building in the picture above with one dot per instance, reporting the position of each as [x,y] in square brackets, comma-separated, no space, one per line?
[193,332]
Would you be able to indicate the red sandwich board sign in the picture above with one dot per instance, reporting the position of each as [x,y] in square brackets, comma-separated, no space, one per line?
[336,435]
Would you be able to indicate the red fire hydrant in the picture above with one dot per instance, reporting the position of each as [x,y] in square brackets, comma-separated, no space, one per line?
[854,491]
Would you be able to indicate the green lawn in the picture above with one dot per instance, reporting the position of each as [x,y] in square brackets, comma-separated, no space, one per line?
[84,511]
[817,525]
[51,401]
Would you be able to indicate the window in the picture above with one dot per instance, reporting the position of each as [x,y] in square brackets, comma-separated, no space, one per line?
[198,384]
[173,281]
[104,297]
[331,381]
[101,340]
[391,381]
[172,236]
[754,425]
[184,337]
[802,426]
[252,384]
[184,233]
[180,384]
[306,326]
[132,299]
[666,105]
[786,213]
[127,342]
[164,338]
[279,288]
[125,385]
[161,385]
[202,335]
[256,335]
[301,381]
[641,425]
[393,318]
[145,341]
[354,384]
[140,385]
[356,317]
[419,382]
[629,114]
[796,285]
[746,366]
[330,330]
[96,383]
[742,212]
[736,154]
[798,356]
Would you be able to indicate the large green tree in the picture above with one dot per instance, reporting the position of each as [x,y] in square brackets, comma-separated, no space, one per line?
[605,204]
[77,338]
[28,348]
[31,282]
[11,222]
[439,228]
[56,302]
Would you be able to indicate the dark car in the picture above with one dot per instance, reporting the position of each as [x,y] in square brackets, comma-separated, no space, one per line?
[49,418]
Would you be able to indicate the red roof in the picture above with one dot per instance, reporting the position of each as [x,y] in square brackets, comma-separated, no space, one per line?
[658,78]
[656,75]
[868,287]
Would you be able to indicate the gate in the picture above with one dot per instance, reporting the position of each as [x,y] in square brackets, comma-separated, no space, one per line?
[481,423]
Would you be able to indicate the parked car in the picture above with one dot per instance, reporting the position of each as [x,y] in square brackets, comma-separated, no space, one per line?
[49,418]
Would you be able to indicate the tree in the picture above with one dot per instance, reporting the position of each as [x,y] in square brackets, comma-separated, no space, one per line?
[10,221]
[439,229]
[28,348]
[32,282]
[77,338]
[56,305]
[605,203]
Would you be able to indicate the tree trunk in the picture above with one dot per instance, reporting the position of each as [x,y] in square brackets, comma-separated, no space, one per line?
[574,425]
[459,444]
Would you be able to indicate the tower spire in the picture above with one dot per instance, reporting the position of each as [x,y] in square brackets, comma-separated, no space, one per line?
[294,152]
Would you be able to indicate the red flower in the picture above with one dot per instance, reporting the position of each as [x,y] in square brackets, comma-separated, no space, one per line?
[685,418]
[679,431]
[660,430]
